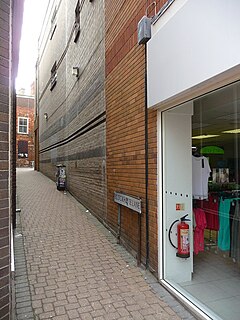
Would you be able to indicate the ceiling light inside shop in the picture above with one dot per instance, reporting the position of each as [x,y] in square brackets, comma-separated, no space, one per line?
[232,131]
[212,150]
[206,136]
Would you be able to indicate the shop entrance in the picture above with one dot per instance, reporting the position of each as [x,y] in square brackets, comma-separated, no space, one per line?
[201,178]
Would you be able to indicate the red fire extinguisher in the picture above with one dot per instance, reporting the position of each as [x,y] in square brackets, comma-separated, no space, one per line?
[183,248]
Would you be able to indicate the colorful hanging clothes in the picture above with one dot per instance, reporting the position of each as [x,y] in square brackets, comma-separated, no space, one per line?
[224,224]
[235,231]
[210,207]
[201,224]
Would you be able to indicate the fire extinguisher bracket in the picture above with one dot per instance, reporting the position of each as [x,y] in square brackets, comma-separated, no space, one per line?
[183,255]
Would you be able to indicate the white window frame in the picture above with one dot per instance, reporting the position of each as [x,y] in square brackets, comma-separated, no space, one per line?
[25,118]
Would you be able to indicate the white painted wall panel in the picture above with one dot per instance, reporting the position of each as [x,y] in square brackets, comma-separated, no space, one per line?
[177,187]
[191,43]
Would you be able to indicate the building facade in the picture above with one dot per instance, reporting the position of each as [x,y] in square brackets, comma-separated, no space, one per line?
[11,13]
[193,83]
[131,131]
[155,124]
[25,131]
[70,112]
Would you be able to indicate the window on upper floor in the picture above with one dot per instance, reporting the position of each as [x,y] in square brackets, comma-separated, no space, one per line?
[77,21]
[53,76]
[53,23]
[22,125]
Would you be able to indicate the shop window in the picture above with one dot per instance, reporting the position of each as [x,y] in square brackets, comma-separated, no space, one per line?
[53,76]
[77,22]
[201,178]
[22,125]
[53,23]
[22,149]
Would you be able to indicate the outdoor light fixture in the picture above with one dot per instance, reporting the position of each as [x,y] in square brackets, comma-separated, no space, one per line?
[45,115]
[75,71]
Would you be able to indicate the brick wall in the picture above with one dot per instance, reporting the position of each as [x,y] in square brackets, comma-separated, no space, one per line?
[74,133]
[4,161]
[125,110]
[25,108]
[10,28]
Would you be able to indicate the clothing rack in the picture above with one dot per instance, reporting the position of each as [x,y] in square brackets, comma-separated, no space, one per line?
[226,193]
[233,196]
[211,233]
[211,238]
[211,243]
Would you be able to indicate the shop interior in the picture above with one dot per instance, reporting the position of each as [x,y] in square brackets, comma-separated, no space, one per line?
[216,262]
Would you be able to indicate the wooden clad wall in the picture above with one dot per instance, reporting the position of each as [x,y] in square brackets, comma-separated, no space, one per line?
[125,109]
[75,131]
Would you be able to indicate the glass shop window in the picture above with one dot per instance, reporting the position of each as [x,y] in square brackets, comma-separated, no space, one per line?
[201,171]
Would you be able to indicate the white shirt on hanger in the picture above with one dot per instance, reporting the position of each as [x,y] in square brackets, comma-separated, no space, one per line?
[200,174]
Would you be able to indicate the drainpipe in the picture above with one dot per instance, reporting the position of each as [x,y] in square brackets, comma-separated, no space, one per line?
[146,162]
[144,34]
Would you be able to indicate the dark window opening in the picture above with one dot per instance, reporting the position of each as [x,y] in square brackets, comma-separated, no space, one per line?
[22,149]
[53,23]
[77,22]
[53,76]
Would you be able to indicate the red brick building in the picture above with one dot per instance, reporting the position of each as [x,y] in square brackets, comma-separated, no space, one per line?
[25,131]
[131,164]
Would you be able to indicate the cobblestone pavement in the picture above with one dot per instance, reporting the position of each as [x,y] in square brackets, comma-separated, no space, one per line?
[69,266]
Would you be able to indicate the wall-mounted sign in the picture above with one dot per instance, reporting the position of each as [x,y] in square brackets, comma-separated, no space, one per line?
[180,206]
[128,201]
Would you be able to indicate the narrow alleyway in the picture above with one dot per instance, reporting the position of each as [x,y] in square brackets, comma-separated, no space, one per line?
[69,266]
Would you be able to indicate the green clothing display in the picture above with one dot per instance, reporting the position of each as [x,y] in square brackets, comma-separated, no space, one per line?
[224,224]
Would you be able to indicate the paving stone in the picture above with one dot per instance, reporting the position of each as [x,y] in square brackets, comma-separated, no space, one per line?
[28,316]
[70,267]
[24,304]
[60,311]
[73,314]
[24,310]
